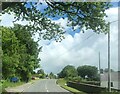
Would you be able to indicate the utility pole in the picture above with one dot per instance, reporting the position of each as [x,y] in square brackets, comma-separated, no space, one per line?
[99,68]
[99,63]
[109,71]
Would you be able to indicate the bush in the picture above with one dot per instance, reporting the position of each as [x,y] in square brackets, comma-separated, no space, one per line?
[77,79]
[2,81]
[69,78]
[74,79]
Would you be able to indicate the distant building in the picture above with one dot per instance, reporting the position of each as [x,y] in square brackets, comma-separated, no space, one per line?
[115,80]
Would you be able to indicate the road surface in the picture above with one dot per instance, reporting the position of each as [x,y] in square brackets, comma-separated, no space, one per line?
[45,85]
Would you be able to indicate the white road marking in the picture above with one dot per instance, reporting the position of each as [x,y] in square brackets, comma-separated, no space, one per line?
[47,91]
[46,86]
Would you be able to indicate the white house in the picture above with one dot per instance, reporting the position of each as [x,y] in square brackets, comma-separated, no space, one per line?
[115,80]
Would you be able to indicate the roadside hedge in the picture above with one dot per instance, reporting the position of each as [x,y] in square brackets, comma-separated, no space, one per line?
[86,87]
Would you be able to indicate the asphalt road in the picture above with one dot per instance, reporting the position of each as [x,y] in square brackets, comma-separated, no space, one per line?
[45,85]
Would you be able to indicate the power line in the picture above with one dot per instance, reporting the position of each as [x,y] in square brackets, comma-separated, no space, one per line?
[83,40]
[114,21]
[77,44]
[89,36]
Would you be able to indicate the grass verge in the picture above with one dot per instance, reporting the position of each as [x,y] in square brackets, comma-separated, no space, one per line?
[62,83]
[6,84]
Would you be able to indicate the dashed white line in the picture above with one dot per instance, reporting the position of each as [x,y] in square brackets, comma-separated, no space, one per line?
[47,91]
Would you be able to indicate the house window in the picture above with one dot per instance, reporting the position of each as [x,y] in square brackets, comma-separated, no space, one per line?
[111,84]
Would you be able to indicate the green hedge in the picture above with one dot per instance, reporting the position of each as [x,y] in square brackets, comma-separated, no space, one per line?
[86,87]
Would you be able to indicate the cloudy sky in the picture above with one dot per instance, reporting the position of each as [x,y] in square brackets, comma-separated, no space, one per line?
[80,49]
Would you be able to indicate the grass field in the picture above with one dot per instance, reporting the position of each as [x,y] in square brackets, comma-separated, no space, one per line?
[62,83]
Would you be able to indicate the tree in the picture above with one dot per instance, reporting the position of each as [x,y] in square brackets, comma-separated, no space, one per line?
[52,76]
[10,57]
[81,14]
[68,71]
[28,51]
[41,73]
[20,53]
[89,71]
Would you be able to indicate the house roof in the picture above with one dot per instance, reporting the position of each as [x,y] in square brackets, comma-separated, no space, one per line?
[115,76]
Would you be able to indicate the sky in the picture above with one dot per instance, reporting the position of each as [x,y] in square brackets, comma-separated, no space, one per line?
[80,49]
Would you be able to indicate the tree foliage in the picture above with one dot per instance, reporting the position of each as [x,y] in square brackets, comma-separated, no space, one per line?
[81,14]
[88,14]
[89,71]
[9,47]
[52,76]
[68,71]
[41,73]
[20,52]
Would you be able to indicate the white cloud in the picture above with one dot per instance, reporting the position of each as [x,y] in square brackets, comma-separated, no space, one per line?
[7,20]
[62,22]
[81,49]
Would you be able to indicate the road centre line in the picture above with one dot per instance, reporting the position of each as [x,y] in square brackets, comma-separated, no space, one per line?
[47,91]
